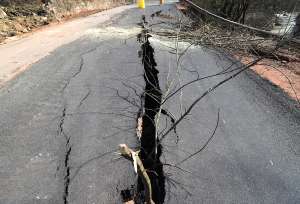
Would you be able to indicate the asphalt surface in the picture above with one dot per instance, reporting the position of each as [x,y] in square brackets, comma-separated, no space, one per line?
[63,118]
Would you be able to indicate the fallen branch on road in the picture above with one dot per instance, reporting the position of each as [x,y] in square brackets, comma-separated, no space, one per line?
[128,154]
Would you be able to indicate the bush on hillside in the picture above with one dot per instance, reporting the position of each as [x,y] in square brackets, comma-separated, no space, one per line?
[26,3]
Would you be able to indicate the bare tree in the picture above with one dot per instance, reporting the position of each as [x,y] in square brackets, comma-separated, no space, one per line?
[234,10]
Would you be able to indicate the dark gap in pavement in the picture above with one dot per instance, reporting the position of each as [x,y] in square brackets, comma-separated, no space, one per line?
[67,178]
[67,153]
[128,194]
[152,99]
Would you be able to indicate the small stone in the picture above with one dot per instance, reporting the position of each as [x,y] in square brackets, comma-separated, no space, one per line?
[17,33]
[2,14]
[44,18]
[129,202]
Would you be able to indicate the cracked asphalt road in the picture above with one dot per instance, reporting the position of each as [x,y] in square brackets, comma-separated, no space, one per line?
[63,118]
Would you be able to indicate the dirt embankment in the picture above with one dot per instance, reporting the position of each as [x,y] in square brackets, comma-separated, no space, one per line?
[18,19]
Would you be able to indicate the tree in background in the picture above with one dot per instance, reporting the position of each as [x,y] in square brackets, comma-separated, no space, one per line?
[273,6]
[235,10]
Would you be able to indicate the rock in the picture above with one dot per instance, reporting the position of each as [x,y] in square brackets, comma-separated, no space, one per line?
[17,33]
[18,27]
[2,14]
[10,12]
[20,19]
[43,18]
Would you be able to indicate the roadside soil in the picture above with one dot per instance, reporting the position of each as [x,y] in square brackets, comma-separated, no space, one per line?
[20,20]
[288,62]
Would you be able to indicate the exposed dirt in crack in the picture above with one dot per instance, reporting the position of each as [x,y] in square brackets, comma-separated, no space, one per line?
[140,123]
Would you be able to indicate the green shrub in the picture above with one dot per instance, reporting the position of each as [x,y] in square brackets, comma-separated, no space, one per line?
[200,4]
